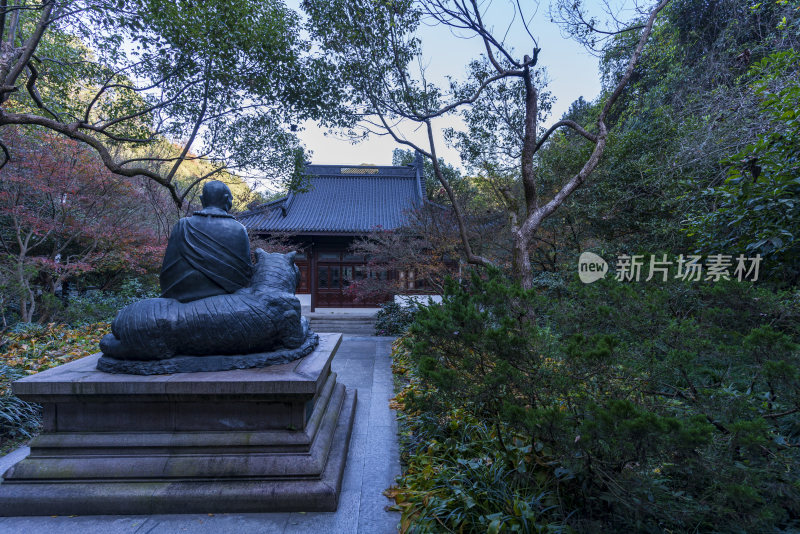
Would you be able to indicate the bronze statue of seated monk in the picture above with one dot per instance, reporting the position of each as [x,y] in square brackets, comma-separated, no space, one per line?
[216,311]
[208,253]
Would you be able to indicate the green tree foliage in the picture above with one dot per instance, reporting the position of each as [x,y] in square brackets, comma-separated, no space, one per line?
[651,407]
[672,406]
[756,210]
[228,84]
[693,114]
[502,101]
[496,122]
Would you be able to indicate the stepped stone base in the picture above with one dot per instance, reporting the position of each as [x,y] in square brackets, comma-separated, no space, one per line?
[250,440]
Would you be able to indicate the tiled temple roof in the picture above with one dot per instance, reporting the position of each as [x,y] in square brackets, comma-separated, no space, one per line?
[343,200]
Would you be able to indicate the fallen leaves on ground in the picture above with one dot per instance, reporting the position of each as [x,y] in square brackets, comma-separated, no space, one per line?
[41,348]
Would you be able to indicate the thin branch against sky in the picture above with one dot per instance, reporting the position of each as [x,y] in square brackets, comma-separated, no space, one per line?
[573,73]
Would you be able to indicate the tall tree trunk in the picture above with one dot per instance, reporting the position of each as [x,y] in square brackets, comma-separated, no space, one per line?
[522,260]
[529,139]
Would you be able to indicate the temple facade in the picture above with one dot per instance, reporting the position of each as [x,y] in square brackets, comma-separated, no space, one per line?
[342,203]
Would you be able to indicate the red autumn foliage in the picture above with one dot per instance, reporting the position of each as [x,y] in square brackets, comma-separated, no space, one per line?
[63,214]
[412,259]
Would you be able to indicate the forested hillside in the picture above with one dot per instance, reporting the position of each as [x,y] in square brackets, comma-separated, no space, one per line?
[704,153]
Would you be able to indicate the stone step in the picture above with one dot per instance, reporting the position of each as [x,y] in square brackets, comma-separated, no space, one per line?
[344,319]
[239,441]
[338,328]
[365,327]
[333,321]
[341,318]
[366,331]
[361,324]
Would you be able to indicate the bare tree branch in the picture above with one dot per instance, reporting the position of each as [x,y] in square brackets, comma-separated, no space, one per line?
[30,45]
[633,61]
[536,218]
[462,224]
[3,11]
[209,174]
[73,132]
[188,144]
[31,86]
[566,122]
[149,109]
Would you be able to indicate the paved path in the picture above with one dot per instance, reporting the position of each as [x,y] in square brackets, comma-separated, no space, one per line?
[372,464]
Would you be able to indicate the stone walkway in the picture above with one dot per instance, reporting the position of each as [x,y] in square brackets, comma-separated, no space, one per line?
[372,465]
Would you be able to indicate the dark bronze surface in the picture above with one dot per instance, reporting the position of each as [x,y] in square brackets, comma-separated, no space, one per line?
[211,305]
[208,253]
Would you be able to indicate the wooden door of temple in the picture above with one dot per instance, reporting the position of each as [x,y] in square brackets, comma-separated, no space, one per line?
[335,272]
[333,277]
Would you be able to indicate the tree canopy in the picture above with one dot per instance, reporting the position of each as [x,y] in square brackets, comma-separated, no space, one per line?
[502,100]
[228,82]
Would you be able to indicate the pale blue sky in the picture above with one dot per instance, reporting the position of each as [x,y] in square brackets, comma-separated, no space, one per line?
[572,71]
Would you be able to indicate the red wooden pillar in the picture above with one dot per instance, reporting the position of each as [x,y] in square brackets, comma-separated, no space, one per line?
[312,274]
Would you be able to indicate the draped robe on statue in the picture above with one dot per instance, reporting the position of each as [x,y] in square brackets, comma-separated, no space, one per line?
[208,254]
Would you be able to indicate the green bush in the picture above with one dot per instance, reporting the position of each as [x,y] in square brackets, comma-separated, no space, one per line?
[456,477]
[756,208]
[18,419]
[394,319]
[647,407]
[102,306]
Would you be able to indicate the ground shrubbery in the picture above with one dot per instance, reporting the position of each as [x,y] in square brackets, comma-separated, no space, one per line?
[18,419]
[620,407]
[101,306]
[393,319]
[34,348]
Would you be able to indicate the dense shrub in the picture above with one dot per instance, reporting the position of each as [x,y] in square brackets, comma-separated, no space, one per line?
[18,419]
[756,209]
[101,306]
[456,476]
[645,407]
[394,319]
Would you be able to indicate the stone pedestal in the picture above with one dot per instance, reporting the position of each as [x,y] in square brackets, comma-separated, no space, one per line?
[253,440]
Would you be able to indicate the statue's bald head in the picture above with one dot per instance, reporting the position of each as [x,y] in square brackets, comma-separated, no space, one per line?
[216,195]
